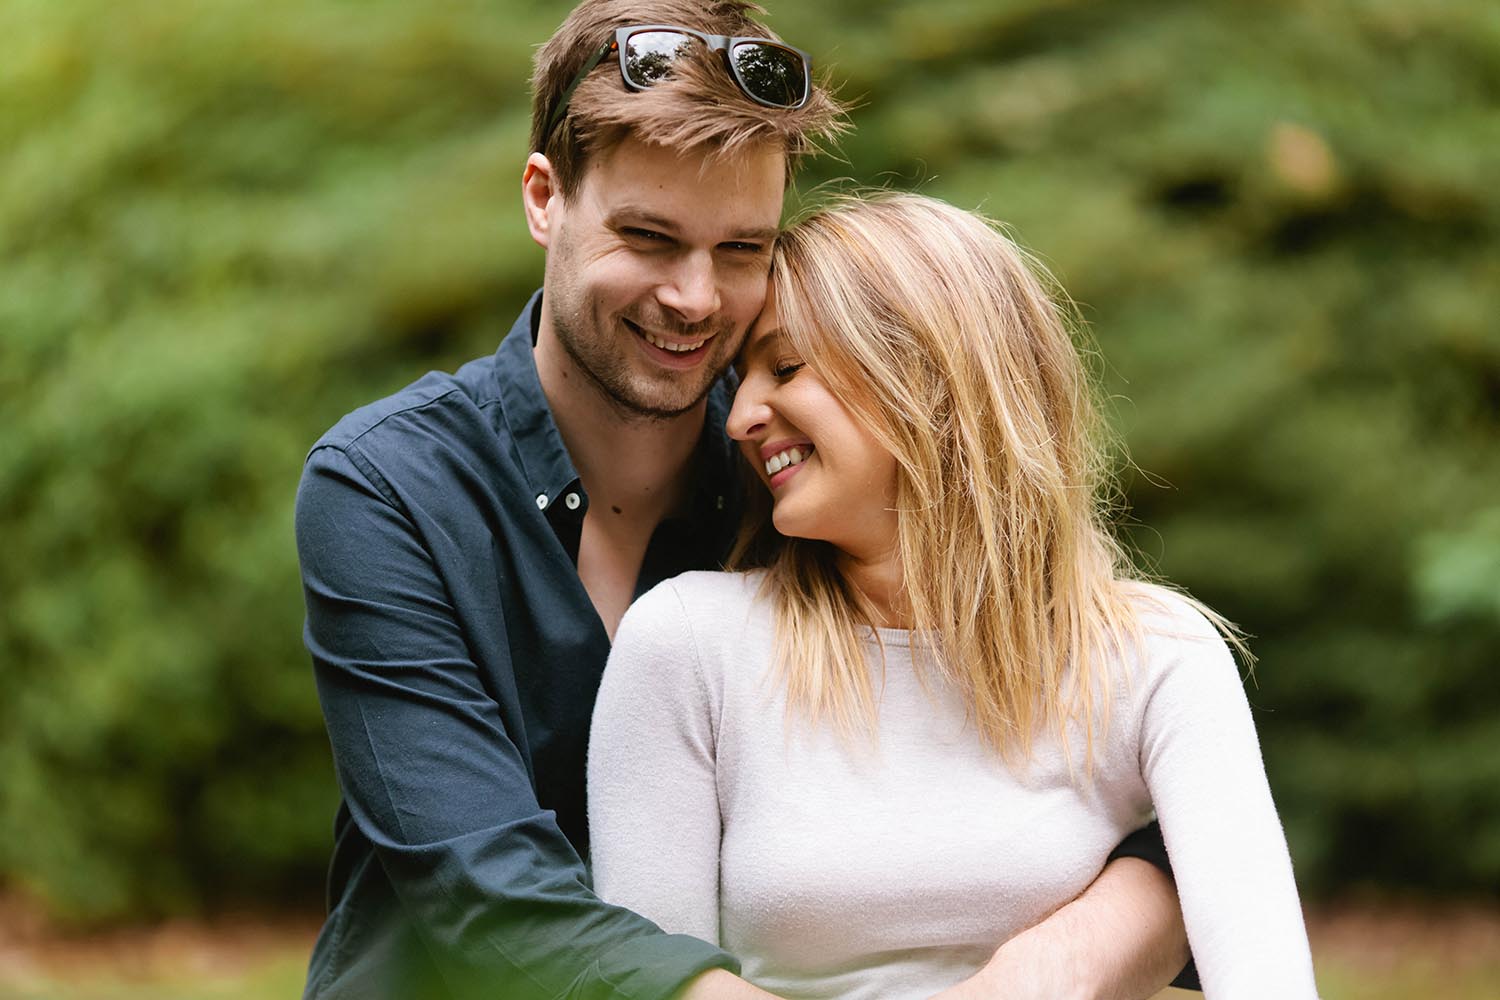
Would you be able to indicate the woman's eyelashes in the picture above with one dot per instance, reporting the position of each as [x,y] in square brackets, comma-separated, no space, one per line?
[786,367]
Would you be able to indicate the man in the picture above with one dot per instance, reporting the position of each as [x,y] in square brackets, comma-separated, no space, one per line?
[469,544]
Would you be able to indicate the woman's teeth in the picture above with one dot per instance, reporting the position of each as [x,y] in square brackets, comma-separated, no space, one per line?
[656,341]
[783,459]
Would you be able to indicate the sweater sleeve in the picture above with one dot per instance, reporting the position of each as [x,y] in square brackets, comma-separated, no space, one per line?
[1201,761]
[653,796]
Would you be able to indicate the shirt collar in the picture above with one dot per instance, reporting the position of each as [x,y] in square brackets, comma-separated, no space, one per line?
[549,469]
[539,446]
[716,455]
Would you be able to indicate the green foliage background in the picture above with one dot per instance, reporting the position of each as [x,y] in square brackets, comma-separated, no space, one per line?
[224,223]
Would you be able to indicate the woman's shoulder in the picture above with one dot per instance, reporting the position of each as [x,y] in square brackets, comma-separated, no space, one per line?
[1177,632]
[705,624]
[704,593]
[1169,613]
[700,603]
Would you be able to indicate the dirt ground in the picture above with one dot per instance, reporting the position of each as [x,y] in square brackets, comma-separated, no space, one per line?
[1381,936]
[32,951]
[1355,943]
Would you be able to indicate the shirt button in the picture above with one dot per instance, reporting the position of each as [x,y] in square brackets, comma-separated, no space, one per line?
[541,501]
[572,500]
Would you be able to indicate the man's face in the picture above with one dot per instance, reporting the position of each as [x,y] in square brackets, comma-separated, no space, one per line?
[656,267]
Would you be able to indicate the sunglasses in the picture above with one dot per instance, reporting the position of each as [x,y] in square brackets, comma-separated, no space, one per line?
[769,73]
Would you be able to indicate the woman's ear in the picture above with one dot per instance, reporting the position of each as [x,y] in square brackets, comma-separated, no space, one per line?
[540,197]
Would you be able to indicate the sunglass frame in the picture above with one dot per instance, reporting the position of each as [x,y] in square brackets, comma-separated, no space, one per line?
[716,43]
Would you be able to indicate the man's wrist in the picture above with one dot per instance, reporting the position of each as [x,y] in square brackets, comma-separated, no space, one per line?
[1121,939]
[721,984]
[1039,966]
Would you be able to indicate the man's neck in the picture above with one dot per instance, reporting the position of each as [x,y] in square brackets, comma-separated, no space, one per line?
[639,467]
[636,472]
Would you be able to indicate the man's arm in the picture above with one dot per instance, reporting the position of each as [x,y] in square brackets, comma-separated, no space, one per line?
[1122,939]
[434,780]
[718,984]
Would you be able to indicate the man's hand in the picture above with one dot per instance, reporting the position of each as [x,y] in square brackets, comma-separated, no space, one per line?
[721,984]
[1122,939]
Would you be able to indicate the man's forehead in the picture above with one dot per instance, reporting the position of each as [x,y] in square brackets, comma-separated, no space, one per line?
[633,170]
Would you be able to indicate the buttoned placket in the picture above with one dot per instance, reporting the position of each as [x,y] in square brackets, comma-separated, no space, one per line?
[565,509]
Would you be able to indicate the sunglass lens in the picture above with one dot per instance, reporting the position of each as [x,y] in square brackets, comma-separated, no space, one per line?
[649,55]
[771,74]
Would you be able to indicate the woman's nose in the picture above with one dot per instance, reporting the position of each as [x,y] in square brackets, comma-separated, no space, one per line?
[749,413]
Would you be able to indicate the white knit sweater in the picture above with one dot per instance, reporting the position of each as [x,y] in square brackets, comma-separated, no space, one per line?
[893,867]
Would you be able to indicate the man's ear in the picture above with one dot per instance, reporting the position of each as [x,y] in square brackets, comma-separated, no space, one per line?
[540,197]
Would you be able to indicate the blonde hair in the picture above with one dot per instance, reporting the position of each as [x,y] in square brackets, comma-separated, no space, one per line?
[952,347]
[697,107]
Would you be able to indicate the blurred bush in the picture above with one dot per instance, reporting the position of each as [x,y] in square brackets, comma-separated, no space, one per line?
[223,224]
[1282,221]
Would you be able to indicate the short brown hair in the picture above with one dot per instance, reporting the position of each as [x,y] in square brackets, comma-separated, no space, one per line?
[699,106]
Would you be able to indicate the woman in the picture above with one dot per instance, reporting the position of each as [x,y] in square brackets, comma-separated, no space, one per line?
[938,698]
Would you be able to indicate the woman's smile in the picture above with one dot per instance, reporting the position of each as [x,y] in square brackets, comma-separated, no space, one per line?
[791,425]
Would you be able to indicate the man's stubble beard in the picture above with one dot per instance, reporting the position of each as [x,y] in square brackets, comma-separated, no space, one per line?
[603,357]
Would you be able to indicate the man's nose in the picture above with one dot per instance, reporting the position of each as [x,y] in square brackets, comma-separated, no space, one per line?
[691,289]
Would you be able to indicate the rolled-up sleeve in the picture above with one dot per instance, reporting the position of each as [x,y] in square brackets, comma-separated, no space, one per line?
[431,772]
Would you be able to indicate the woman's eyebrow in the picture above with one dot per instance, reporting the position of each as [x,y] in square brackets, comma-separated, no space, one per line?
[760,342]
[753,347]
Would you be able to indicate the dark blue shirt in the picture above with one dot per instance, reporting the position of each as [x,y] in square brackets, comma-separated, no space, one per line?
[457,656]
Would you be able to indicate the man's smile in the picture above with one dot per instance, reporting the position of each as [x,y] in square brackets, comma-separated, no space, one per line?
[676,349]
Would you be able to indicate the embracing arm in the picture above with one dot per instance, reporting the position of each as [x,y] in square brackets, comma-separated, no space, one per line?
[433,779]
[1202,764]
[718,984]
[1122,939]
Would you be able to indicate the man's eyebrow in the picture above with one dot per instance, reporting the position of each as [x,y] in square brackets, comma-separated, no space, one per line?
[766,234]
[629,214]
[632,215]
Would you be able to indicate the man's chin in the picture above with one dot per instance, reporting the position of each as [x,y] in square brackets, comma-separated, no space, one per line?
[648,402]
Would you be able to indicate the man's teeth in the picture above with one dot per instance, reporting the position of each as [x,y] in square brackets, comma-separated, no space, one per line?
[675,348]
[782,459]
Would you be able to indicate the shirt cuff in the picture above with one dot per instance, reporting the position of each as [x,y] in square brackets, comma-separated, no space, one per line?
[657,966]
[1147,844]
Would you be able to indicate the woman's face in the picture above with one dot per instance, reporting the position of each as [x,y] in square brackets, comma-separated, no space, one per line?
[829,478]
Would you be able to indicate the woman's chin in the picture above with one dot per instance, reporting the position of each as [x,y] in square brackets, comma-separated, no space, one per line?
[786,521]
